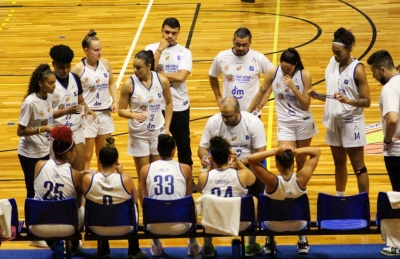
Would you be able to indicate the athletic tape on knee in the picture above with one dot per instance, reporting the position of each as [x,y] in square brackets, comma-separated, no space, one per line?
[361,171]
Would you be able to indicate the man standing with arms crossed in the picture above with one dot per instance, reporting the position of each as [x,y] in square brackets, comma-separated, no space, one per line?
[174,61]
[241,68]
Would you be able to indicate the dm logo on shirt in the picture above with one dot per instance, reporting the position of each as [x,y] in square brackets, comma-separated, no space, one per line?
[237,93]
[230,78]
[251,68]
[291,113]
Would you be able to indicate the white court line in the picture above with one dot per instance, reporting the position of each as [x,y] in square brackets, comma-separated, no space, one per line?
[133,45]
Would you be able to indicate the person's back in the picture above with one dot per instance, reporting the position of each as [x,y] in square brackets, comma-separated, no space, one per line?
[224,183]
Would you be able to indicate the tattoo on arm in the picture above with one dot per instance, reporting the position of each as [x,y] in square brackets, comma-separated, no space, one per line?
[361,102]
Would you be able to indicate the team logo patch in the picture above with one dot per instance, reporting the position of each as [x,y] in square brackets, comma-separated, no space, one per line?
[239,68]
[226,67]
[178,57]
[139,98]
[92,88]
[41,114]
[143,108]
[67,99]
[61,106]
[160,68]
[132,145]
[230,78]
[150,100]
[98,80]
[251,68]
[280,96]
[57,97]
[105,75]
[167,58]
[159,95]
[234,138]
[86,79]
[48,109]
[346,82]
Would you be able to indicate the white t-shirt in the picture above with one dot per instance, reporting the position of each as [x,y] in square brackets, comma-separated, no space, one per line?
[95,87]
[389,101]
[147,100]
[288,110]
[172,60]
[244,137]
[241,74]
[35,112]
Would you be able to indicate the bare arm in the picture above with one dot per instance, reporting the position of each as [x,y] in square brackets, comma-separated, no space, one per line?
[391,119]
[215,87]
[264,88]
[179,76]
[201,181]
[143,184]
[112,88]
[157,54]
[202,152]
[168,102]
[303,98]
[304,175]
[187,172]
[23,131]
[123,111]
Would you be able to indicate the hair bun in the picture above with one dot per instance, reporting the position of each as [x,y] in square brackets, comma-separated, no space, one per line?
[110,142]
[92,33]
[339,32]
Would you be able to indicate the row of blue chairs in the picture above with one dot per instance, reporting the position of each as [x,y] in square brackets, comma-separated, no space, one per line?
[333,214]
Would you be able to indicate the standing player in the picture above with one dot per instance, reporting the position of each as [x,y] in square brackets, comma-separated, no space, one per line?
[241,68]
[290,84]
[118,187]
[68,103]
[224,181]
[143,93]
[98,85]
[167,179]
[174,61]
[347,96]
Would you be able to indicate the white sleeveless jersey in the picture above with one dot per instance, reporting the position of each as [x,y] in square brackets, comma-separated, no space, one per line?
[95,87]
[54,182]
[147,101]
[224,183]
[241,74]
[286,189]
[287,108]
[165,180]
[347,86]
[35,112]
[172,60]
[107,189]
[244,137]
[64,98]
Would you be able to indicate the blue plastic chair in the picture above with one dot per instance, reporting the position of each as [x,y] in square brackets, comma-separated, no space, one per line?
[283,210]
[384,210]
[343,212]
[247,213]
[169,211]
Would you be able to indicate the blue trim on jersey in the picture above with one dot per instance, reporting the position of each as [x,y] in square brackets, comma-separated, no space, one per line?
[133,87]
[123,186]
[90,185]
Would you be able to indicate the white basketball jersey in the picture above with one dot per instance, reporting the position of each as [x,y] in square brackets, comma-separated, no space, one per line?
[347,86]
[64,98]
[172,60]
[165,180]
[241,74]
[54,182]
[224,183]
[35,112]
[107,189]
[144,100]
[287,107]
[286,189]
[95,87]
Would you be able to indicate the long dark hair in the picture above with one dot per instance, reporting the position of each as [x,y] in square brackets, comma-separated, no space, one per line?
[38,75]
[147,56]
[292,57]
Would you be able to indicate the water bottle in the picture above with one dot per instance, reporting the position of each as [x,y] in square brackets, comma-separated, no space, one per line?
[59,249]
[236,253]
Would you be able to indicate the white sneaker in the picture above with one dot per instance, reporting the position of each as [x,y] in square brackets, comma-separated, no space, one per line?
[193,249]
[156,250]
[41,244]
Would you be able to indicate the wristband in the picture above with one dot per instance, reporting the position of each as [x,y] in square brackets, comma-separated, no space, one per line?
[39,130]
[387,142]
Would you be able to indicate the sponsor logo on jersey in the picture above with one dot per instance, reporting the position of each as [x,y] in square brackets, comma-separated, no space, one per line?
[97,103]
[139,97]
[86,79]
[143,108]
[226,67]
[150,100]
[160,68]
[61,106]
[247,137]
[67,99]
[57,97]
[185,102]
[97,80]
[239,68]
[348,120]
[41,113]
[230,78]
[75,94]
[234,138]
[346,82]
[159,95]
[237,93]
[132,145]
[251,68]
[92,88]
[151,127]
[281,96]
[178,57]
[105,75]
[167,57]
[291,113]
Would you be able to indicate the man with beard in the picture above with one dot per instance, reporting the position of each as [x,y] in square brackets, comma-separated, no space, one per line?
[241,68]
[383,70]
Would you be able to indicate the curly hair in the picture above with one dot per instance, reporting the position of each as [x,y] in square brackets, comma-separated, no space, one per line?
[345,37]
[220,150]
[62,54]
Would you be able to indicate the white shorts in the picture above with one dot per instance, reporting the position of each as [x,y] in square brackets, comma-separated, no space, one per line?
[139,147]
[102,125]
[347,134]
[78,136]
[296,132]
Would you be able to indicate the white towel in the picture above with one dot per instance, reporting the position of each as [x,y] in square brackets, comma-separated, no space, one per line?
[5,218]
[219,215]
[332,106]
[394,199]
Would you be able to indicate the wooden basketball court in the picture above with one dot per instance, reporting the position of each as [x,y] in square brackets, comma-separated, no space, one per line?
[29,28]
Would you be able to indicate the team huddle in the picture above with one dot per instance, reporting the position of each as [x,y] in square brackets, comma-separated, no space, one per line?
[67,114]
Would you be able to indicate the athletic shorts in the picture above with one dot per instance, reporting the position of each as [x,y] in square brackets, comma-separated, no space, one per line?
[78,136]
[142,146]
[296,132]
[347,134]
[102,125]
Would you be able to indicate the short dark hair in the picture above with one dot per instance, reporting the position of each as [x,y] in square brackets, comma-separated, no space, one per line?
[62,54]
[381,58]
[285,159]
[242,33]
[220,150]
[165,145]
[171,22]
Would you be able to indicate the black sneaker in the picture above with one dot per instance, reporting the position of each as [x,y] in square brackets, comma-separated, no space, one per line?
[268,248]
[303,248]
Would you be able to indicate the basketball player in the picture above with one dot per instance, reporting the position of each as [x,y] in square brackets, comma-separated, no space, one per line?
[241,68]
[143,93]
[113,183]
[167,179]
[98,85]
[290,84]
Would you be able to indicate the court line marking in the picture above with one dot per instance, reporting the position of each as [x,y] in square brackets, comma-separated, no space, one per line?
[134,42]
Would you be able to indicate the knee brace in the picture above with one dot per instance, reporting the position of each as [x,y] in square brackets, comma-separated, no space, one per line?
[361,171]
